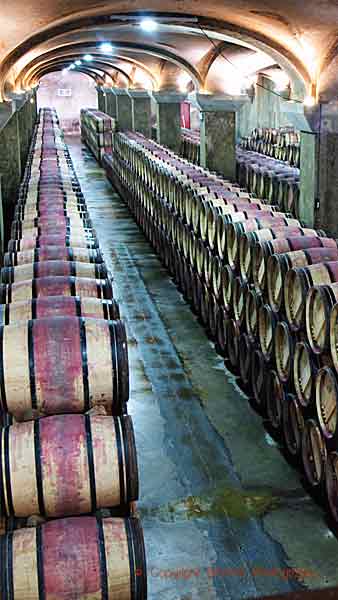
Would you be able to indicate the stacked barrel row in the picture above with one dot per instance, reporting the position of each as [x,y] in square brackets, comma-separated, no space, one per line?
[269,179]
[68,462]
[97,130]
[282,144]
[246,269]
[190,145]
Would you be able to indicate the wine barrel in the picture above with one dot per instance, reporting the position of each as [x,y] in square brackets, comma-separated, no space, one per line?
[267,323]
[305,368]
[53,268]
[14,259]
[245,353]
[297,284]
[53,222]
[314,453]
[326,387]
[239,293]
[275,400]
[279,265]
[76,557]
[68,465]
[65,364]
[227,279]
[51,229]
[331,483]
[334,337]
[32,242]
[221,331]
[253,302]
[59,209]
[284,351]
[232,338]
[293,425]
[49,306]
[319,310]
[56,286]
[258,379]
[262,250]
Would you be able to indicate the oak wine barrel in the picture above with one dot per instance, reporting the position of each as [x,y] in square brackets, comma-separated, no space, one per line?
[53,268]
[14,259]
[284,351]
[293,425]
[275,400]
[314,453]
[321,311]
[68,239]
[297,284]
[56,286]
[65,365]
[253,302]
[109,561]
[267,323]
[326,387]
[53,306]
[245,352]
[305,368]
[67,465]
[331,483]
[258,379]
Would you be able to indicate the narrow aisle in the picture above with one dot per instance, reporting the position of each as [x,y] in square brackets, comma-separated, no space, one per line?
[203,506]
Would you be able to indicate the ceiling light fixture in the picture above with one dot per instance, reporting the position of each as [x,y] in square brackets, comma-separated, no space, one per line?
[87,57]
[106,47]
[78,63]
[149,25]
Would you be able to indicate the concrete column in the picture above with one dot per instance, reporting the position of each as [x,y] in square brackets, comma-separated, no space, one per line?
[308,176]
[141,111]
[168,118]
[110,103]
[101,99]
[123,109]
[218,116]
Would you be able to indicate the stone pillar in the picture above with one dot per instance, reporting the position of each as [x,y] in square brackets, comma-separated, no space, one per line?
[218,116]
[168,117]
[101,99]
[123,109]
[141,111]
[308,176]
[110,103]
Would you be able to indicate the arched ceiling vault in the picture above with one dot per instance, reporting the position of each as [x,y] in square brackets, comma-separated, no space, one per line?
[62,62]
[301,38]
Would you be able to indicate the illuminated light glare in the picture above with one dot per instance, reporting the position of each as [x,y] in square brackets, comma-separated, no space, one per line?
[148,25]
[64,71]
[78,63]
[309,101]
[87,57]
[183,81]
[281,81]
[106,47]
[72,66]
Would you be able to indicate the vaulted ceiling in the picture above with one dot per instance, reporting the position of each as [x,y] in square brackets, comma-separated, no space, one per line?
[214,46]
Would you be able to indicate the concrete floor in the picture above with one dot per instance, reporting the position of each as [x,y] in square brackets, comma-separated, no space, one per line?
[224,515]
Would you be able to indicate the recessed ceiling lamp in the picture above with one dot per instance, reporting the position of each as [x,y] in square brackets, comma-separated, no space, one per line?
[87,57]
[78,63]
[149,25]
[64,71]
[106,47]
[72,66]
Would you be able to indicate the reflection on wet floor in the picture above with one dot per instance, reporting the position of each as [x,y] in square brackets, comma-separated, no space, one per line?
[224,515]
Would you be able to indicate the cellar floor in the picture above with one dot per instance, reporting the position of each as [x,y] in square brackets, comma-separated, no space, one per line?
[224,515]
